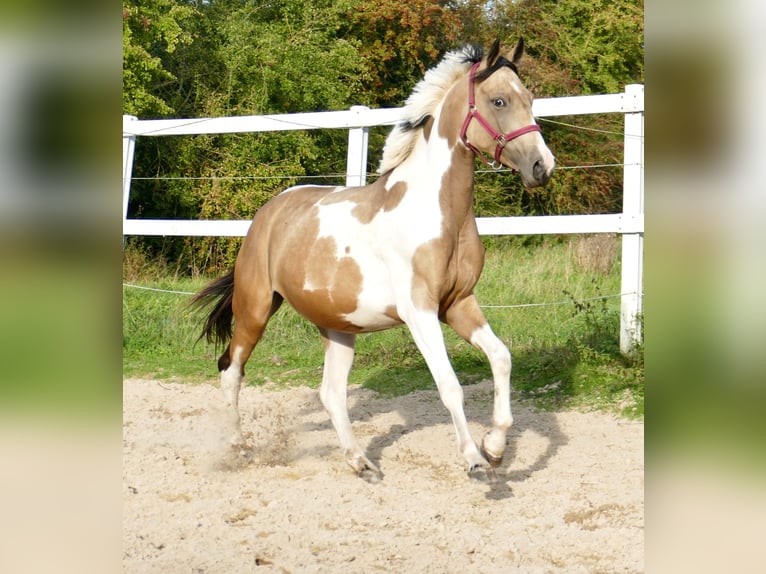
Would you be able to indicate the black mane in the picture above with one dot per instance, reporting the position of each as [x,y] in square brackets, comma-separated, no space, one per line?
[499,63]
[475,53]
[471,54]
[409,125]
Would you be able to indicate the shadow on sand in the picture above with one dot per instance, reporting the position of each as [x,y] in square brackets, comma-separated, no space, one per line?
[412,408]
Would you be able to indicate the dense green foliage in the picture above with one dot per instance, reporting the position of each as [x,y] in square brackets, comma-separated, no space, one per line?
[202,58]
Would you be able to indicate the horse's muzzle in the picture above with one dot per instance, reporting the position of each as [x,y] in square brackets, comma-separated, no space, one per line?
[540,175]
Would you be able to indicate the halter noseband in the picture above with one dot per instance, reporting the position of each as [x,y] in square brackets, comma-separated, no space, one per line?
[501,139]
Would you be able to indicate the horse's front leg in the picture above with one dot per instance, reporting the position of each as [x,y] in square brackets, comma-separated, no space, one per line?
[493,445]
[466,318]
[426,331]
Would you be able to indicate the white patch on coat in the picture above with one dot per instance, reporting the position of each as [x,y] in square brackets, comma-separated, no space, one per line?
[383,248]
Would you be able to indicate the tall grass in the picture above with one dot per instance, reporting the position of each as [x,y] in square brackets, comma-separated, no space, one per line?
[564,354]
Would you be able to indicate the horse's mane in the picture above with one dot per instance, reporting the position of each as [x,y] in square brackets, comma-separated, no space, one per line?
[425,97]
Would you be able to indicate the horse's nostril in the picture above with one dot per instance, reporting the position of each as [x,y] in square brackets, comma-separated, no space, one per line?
[538,170]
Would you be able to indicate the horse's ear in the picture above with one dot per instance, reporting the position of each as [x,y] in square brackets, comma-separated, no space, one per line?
[518,52]
[494,53]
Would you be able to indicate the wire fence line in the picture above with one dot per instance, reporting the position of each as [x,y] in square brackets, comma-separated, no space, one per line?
[587,129]
[513,306]
[344,175]
[236,177]
[337,175]
[157,290]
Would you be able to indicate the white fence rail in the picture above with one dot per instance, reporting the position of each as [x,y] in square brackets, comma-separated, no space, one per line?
[358,120]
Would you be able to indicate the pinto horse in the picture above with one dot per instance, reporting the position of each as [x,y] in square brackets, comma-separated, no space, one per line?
[402,250]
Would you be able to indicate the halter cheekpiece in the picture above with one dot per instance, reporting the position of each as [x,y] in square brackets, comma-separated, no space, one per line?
[501,139]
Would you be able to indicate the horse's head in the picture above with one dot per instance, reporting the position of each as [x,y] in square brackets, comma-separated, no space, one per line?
[499,121]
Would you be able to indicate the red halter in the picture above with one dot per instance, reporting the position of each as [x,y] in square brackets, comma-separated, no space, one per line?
[501,139]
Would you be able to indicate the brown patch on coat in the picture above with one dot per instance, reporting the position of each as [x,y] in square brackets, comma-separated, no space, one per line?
[283,253]
[453,112]
[446,269]
[431,273]
[393,196]
[370,199]
[365,212]
[465,316]
[335,282]
[392,313]
[319,267]
[326,305]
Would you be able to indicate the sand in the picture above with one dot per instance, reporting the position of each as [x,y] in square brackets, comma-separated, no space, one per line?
[569,496]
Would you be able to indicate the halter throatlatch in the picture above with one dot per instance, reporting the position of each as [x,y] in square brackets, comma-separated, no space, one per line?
[501,139]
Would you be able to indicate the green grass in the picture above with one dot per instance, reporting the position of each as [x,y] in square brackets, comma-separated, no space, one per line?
[564,356]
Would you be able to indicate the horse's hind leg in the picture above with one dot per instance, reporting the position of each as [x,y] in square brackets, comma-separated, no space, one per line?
[339,356]
[466,318]
[232,367]
[250,317]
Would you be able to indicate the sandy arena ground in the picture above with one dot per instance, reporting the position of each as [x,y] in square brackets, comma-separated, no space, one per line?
[569,496]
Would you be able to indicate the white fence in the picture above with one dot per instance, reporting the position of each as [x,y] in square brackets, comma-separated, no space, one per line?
[358,120]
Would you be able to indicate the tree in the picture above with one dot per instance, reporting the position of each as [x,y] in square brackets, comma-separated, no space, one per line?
[201,58]
[150,29]
[229,58]
[398,42]
[580,46]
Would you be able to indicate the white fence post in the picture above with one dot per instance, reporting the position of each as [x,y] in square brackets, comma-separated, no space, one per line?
[356,158]
[128,149]
[632,206]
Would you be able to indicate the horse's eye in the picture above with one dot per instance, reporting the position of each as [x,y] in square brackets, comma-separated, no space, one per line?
[498,102]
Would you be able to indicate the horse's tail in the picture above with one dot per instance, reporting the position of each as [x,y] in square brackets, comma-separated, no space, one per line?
[217,327]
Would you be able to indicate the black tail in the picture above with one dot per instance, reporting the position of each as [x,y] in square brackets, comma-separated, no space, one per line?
[218,324]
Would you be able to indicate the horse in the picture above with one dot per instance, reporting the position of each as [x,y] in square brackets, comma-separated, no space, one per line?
[403,250]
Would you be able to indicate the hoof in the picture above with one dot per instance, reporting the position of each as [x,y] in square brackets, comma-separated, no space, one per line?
[364,469]
[482,473]
[495,461]
[370,475]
